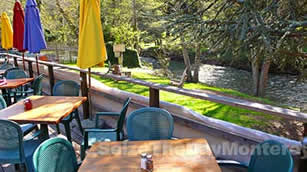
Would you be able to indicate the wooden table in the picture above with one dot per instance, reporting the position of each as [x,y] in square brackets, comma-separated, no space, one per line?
[184,155]
[13,83]
[46,110]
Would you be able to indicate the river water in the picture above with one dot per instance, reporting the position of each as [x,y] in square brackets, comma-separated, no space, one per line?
[283,89]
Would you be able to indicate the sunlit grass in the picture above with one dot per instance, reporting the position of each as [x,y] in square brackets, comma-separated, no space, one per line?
[231,114]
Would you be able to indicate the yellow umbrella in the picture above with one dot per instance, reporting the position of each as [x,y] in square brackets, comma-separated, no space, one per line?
[92,49]
[6,32]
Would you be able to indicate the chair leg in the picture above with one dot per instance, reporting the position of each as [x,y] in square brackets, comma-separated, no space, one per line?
[67,131]
[78,121]
[58,129]
[82,152]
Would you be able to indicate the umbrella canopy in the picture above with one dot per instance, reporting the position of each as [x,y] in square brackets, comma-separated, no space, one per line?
[6,32]
[92,50]
[18,27]
[34,40]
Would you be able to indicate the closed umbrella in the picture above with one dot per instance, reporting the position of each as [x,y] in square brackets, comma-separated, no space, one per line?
[6,32]
[34,40]
[19,28]
[92,49]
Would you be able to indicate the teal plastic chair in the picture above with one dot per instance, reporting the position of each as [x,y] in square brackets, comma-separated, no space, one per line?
[15,73]
[36,87]
[26,128]
[150,124]
[13,149]
[268,156]
[6,65]
[68,88]
[55,155]
[115,134]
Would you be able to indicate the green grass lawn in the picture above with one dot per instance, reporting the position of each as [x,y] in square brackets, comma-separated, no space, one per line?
[231,114]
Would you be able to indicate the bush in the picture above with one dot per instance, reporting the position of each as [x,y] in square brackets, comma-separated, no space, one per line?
[131,57]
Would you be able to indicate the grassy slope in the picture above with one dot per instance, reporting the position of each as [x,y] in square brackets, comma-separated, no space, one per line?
[231,114]
[235,115]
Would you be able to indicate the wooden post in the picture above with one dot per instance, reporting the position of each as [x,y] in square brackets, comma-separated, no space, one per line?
[15,62]
[84,92]
[154,97]
[30,69]
[51,78]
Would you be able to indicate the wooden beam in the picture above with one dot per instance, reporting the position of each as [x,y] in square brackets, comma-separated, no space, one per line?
[51,78]
[154,97]
[30,69]
[84,92]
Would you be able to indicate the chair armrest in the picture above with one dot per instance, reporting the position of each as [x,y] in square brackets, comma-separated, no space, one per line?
[107,114]
[89,130]
[228,163]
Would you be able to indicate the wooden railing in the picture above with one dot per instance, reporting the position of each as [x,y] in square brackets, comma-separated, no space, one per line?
[154,92]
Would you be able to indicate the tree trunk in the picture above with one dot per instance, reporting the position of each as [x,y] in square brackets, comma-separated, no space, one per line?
[255,73]
[186,60]
[196,63]
[134,23]
[264,76]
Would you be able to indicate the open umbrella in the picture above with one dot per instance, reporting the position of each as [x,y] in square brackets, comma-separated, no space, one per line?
[6,32]
[19,28]
[34,40]
[92,49]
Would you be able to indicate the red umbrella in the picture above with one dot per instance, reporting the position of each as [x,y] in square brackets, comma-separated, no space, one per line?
[18,29]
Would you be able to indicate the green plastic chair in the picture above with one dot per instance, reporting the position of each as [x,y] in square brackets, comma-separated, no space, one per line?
[6,65]
[55,155]
[15,73]
[268,156]
[68,88]
[13,149]
[36,87]
[26,128]
[150,124]
[95,134]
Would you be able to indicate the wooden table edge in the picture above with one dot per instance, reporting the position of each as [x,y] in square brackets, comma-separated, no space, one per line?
[84,99]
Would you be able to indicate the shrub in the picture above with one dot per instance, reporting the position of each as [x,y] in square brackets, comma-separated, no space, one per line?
[131,57]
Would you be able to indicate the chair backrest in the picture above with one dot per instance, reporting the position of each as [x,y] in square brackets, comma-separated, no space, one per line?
[11,141]
[15,73]
[270,156]
[55,155]
[122,117]
[150,124]
[38,85]
[66,88]
[6,66]
[3,104]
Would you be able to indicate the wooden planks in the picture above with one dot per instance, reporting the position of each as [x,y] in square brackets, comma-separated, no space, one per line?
[46,109]
[14,83]
[184,155]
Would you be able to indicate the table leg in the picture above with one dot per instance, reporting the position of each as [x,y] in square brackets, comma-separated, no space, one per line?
[44,130]
[7,98]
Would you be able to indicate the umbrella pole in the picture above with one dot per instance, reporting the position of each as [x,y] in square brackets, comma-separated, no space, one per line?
[89,92]
[23,61]
[37,67]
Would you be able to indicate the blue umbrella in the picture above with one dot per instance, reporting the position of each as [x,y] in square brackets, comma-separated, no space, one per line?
[34,40]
